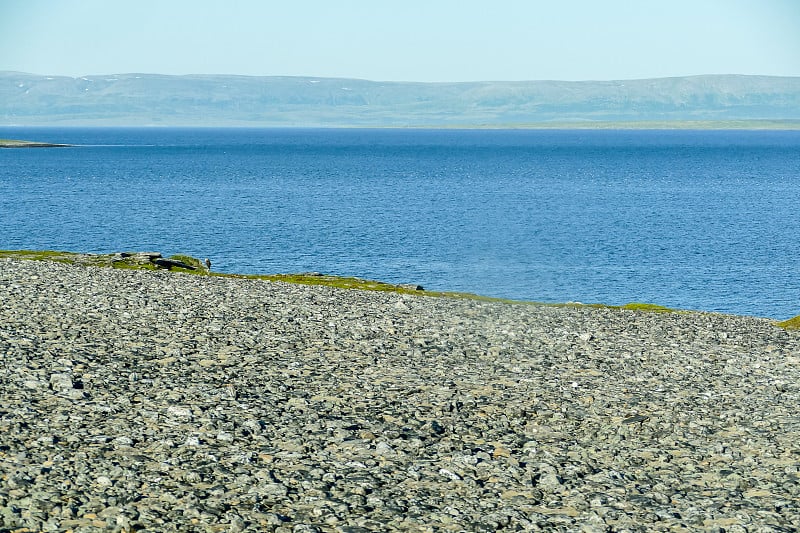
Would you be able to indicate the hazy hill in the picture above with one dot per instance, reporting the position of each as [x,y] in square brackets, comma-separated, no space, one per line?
[145,99]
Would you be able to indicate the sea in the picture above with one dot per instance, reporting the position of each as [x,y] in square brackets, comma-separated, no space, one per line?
[688,219]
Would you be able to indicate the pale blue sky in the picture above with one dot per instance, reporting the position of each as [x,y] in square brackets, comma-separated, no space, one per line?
[403,40]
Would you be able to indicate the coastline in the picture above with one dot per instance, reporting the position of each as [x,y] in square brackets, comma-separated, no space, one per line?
[168,401]
[10,143]
[688,125]
[192,265]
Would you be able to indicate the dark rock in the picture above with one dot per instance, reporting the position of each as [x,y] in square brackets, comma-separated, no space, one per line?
[437,428]
[149,256]
[169,264]
[636,419]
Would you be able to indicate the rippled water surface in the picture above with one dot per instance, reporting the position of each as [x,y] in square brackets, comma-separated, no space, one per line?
[690,219]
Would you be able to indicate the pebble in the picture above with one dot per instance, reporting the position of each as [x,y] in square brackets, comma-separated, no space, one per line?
[147,400]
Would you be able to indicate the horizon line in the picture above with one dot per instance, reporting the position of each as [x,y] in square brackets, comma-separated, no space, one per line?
[547,80]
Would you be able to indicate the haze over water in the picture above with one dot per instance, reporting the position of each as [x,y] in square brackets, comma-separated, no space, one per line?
[688,219]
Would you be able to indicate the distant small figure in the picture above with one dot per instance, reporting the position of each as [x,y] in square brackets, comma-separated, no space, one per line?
[208,263]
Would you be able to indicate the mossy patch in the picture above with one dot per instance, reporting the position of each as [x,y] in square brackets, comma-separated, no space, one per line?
[122,265]
[792,323]
[652,308]
[339,282]
[39,255]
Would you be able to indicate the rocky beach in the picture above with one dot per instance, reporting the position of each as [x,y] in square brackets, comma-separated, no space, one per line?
[160,401]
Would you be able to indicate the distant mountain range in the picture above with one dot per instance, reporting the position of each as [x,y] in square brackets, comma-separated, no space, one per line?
[208,100]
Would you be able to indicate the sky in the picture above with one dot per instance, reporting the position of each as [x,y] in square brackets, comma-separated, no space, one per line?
[403,40]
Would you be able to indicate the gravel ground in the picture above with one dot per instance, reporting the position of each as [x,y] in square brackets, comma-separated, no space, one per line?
[153,401]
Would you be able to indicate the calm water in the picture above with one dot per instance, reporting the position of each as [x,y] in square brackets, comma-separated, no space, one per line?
[688,219]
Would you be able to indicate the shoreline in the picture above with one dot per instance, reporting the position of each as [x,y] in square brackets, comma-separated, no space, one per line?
[150,399]
[194,266]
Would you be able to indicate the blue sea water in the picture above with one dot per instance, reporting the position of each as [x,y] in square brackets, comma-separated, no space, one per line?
[689,219]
